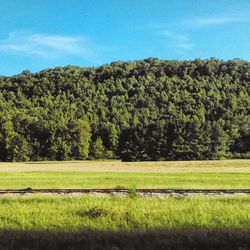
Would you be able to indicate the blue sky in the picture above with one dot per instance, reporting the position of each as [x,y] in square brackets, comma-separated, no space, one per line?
[40,34]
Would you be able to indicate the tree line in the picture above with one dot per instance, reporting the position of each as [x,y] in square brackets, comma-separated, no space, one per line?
[140,110]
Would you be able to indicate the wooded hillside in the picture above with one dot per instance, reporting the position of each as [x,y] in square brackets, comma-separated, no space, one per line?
[140,110]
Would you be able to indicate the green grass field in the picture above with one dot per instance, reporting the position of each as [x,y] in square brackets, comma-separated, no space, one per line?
[230,174]
[95,222]
[88,222]
[124,180]
[72,214]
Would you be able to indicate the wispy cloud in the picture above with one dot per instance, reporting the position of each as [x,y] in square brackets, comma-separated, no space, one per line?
[47,46]
[177,40]
[211,21]
[168,36]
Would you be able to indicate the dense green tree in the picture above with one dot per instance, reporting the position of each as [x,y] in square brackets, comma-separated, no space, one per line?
[80,135]
[140,110]
[98,150]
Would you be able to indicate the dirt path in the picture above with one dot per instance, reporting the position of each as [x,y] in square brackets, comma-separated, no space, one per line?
[127,192]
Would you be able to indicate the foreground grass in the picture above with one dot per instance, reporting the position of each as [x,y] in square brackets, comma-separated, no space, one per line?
[231,174]
[87,222]
[74,214]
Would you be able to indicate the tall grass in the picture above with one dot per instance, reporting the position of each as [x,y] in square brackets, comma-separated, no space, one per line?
[73,214]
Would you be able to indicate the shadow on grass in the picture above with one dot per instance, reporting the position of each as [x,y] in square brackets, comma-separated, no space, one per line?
[10,240]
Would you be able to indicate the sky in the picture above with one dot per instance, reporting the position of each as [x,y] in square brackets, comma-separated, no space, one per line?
[41,34]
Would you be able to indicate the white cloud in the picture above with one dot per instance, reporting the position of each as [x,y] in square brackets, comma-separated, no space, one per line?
[47,46]
[210,21]
[178,41]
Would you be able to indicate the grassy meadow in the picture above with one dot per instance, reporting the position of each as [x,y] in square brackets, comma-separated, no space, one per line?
[110,222]
[228,174]
[88,222]
[72,214]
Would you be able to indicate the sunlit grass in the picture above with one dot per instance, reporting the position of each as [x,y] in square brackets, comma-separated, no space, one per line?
[71,214]
[125,180]
[145,223]
[231,174]
[118,166]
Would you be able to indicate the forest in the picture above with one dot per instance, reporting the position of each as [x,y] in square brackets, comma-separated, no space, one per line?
[134,111]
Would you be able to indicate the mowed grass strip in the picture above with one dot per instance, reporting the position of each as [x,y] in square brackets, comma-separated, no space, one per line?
[73,214]
[230,166]
[36,180]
